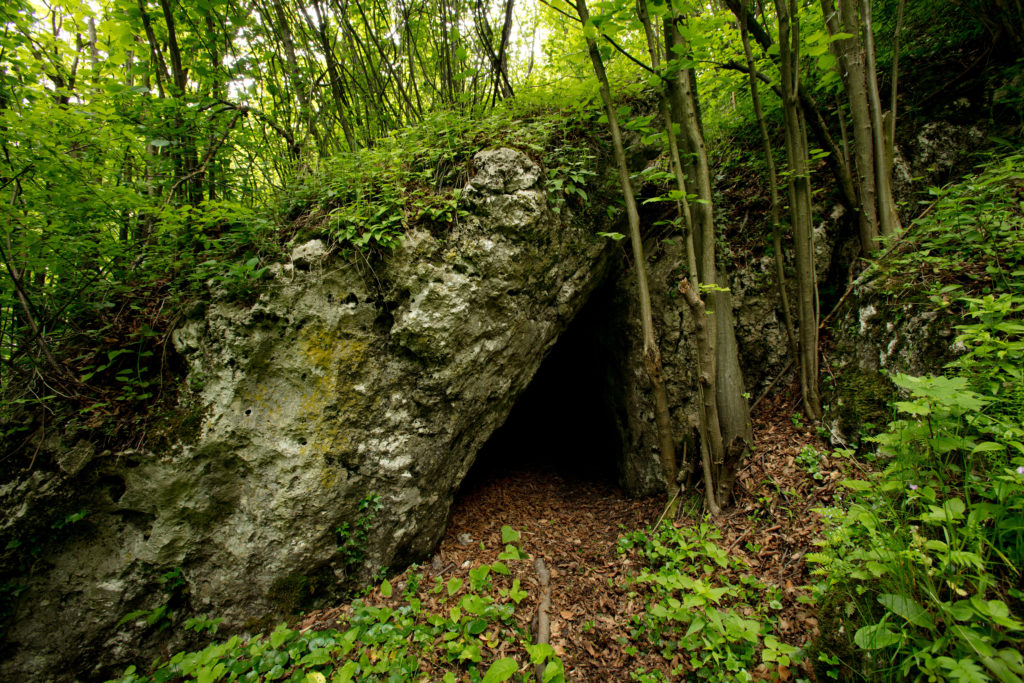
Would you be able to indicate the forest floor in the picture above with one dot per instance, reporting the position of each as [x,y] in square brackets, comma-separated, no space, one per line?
[574,524]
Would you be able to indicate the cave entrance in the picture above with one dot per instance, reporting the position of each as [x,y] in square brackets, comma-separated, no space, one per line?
[568,420]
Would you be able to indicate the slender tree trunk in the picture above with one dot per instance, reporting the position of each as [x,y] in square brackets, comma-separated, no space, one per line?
[333,74]
[773,188]
[294,72]
[652,356]
[800,204]
[711,436]
[813,117]
[733,411]
[708,423]
[850,55]
[887,221]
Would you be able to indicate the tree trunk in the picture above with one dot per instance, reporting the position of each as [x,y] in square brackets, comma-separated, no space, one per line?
[800,204]
[887,220]
[773,187]
[849,53]
[652,357]
[733,411]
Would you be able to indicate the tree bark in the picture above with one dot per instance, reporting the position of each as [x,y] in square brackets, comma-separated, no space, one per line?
[849,53]
[800,204]
[887,221]
[652,356]
[773,187]
[733,411]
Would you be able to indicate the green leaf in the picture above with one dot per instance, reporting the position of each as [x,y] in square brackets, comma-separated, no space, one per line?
[281,635]
[501,670]
[540,652]
[317,657]
[908,608]
[876,637]
[385,589]
[471,652]
[346,673]
[454,584]
[509,535]
[476,626]
[516,593]
[975,640]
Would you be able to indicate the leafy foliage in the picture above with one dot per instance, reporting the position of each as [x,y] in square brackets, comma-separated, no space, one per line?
[704,610]
[923,567]
[367,199]
[389,641]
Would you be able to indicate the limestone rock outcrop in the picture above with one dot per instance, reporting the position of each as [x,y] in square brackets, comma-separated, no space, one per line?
[349,390]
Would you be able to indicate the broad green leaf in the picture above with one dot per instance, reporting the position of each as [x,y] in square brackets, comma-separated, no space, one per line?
[476,626]
[876,637]
[501,670]
[345,673]
[908,608]
[973,639]
[539,652]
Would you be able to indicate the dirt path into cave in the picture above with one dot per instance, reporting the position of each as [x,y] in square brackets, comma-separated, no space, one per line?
[574,524]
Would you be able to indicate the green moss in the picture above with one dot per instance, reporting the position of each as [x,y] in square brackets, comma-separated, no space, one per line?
[859,400]
[288,593]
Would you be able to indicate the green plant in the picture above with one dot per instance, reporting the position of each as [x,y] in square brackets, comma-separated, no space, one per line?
[922,568]
[164,615]
[352,536]
[809,459]
[477,637]
[702,604]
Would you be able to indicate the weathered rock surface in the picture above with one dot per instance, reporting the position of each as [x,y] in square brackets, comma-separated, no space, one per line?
[877,335]
[344,381]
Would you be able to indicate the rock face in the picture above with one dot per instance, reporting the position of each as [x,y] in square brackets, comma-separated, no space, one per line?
[332,421]
[876,336]
[349,394]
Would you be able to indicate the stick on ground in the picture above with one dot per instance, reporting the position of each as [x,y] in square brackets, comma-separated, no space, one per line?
[543,634]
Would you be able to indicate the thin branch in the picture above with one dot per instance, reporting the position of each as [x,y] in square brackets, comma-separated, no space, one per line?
[618,47]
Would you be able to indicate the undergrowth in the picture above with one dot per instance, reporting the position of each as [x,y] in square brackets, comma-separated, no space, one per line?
[391,638]
[369,198]
[707,616]
[921,574]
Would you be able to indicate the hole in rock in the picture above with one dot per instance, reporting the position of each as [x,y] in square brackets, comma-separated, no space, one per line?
[566,422]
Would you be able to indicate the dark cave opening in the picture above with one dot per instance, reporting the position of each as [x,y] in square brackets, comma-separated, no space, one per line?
[568,420]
